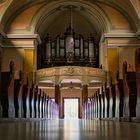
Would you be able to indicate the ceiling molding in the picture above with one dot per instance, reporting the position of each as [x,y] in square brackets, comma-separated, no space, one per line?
[119,35]
[123,45]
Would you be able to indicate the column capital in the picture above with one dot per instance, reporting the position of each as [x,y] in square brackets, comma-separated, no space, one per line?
[57,85]
[57,80]
[85,80]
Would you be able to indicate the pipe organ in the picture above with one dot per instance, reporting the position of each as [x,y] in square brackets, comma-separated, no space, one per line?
[69,49]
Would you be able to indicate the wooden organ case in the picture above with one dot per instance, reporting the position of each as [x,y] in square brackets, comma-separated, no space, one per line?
[60,52]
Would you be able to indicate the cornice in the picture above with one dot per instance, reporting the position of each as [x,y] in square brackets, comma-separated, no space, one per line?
[24,36]
[117,35]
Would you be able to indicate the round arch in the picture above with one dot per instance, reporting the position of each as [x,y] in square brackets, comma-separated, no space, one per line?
[90,12]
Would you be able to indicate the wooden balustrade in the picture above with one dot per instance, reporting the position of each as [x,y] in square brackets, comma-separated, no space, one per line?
[17,85]
[119,90]
[5,77]
[102,104]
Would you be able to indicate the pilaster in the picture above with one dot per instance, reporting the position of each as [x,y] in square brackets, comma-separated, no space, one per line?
[58,98]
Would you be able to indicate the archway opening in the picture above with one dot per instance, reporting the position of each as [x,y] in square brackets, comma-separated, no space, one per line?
[71,108]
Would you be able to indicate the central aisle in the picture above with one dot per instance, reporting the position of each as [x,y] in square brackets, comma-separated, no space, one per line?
[69,130]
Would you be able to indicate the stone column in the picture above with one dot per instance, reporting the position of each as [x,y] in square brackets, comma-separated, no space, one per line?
[58,98]
[84,93]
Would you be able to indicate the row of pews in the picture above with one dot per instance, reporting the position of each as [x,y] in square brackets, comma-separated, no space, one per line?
[19,100]
[119,101]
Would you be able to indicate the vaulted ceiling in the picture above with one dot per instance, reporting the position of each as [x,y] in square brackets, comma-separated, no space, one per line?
[53,16]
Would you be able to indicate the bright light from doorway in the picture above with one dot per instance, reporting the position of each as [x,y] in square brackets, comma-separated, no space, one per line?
[71,108]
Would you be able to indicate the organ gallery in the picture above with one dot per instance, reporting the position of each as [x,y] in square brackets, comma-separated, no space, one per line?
[69,49]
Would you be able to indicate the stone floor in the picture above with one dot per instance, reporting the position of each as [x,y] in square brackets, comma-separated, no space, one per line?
[69,130]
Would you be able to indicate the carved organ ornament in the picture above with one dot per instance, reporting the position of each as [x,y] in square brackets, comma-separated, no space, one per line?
[69,49]
[63,49]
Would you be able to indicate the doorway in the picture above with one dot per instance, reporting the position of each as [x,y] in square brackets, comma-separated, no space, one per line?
[71,108]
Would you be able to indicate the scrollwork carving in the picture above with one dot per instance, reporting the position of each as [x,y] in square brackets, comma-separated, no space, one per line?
[92,73]
[71,71]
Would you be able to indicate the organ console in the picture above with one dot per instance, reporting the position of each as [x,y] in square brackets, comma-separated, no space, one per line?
[69,49]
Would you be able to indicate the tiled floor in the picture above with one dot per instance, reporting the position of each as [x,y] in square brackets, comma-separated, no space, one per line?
[69,130]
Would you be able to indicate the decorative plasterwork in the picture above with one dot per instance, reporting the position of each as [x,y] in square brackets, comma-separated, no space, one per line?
[57,74]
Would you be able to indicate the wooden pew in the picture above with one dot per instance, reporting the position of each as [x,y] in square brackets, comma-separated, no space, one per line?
[20,101]
[25,100]
[45,106]
[42,105]
[99,105]
[11,107]
[39,104]
[130,92]
[35,103]
[31,101]
[107,101]
[17,86]
[18,96]
[0,109]
[4,93]
[110,101]
[119,96]
[137,62]
[95,106]
[103,104]
[7,92]
[119,93]
[0,96]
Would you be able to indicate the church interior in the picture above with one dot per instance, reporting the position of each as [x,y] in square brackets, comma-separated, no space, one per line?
[69,69]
